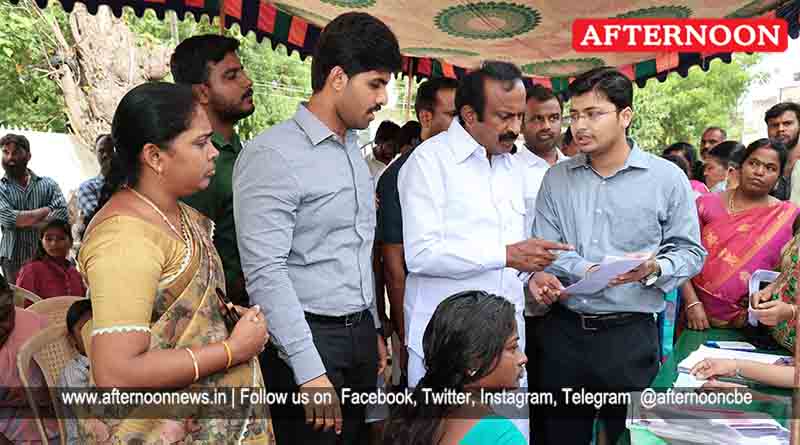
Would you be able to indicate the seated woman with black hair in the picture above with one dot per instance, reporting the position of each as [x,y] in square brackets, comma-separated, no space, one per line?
[50,273]
[471,345]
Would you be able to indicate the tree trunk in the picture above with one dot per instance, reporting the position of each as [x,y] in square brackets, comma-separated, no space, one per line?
[100,59]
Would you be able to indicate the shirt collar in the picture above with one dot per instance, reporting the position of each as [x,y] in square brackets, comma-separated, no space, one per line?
[317,131]
[637,158]
[532,159]
[34,178]
[234,145]
[464,145]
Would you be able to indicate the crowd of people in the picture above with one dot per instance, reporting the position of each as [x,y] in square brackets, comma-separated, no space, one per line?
[294,263]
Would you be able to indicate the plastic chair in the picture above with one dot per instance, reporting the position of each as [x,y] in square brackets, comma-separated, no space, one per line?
[51,350]
[54,308]
[21,295]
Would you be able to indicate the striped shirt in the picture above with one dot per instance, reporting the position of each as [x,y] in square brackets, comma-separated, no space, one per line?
[19,243]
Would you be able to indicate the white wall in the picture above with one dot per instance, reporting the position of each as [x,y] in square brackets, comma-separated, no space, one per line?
[59,156]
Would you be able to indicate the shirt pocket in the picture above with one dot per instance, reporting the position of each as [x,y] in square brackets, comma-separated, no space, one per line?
[637,230]
[517,223]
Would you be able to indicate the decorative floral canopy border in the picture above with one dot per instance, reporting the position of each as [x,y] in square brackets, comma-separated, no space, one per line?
[449,37]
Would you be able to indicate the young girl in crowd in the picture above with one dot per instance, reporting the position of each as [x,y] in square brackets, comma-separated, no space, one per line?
[471,345]
[50,273]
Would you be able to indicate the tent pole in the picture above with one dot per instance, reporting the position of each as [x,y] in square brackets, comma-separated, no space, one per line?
[221,17]
[410,81]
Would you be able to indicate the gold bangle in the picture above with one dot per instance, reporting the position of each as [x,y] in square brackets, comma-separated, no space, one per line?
[693,305]
[194,362]
[229,353]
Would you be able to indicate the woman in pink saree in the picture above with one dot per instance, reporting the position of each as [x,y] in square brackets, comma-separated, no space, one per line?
[743,230]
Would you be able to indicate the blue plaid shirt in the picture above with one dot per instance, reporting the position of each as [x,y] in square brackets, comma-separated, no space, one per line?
[89,194]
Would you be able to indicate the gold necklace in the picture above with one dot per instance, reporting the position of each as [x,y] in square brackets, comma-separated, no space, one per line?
[161,214]
[730,201]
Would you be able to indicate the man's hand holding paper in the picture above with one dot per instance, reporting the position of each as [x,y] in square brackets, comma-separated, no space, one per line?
[642,271]
[613,271]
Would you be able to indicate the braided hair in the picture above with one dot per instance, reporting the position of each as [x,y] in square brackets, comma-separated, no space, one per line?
[151,113]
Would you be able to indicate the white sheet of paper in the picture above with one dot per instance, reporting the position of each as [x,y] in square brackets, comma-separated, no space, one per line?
[758,277]
[686,380]
[610,268]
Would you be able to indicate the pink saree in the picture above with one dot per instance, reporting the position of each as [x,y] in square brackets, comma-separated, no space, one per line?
[738,244]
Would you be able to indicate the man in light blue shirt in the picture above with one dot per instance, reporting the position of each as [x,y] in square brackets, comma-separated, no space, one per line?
[611,199]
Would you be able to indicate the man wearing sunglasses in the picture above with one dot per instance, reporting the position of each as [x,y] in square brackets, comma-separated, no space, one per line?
[611,199]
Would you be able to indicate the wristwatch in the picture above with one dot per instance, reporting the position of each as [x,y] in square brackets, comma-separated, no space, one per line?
[652,278]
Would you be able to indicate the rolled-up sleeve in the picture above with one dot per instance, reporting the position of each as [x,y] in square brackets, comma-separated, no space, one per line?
[266,196]
[427,251]
[57,203]
[682,254]
[569,265]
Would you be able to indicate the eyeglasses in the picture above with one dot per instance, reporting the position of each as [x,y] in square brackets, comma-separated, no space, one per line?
[591,116]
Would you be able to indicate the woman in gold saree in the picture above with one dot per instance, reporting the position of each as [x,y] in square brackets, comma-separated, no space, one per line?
[154,278]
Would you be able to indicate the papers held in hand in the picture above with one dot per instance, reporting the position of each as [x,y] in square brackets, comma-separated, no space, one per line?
[610,268]
[759,278]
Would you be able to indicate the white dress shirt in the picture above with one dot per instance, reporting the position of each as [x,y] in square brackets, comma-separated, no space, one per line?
[376,167]
[459,213]
[534,168]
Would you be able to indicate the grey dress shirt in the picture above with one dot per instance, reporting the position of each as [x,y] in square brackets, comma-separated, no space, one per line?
[647,206]
[304,206]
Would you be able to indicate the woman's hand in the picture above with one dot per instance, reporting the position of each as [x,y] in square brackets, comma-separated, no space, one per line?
[249,335]
[762,296]
[696,318]
[712,367]
[716,384]
[773,312]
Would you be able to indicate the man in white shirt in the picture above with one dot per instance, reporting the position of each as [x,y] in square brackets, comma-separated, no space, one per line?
[383,150]
[541,130]
[464,212]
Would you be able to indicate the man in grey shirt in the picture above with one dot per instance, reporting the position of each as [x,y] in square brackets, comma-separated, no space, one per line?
[611,199]
[304,205]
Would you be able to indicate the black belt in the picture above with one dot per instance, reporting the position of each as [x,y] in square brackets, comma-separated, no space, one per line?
[596,322]
[344,320]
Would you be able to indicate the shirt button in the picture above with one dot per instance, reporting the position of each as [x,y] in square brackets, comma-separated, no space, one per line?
[599,211]
[604,182]
[594,241]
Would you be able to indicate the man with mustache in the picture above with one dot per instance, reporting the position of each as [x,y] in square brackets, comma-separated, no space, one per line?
[612,199]
[464,211]
[305,216]
[209,64]
[782,124]
[26,201]
[541,129]
[712,136]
